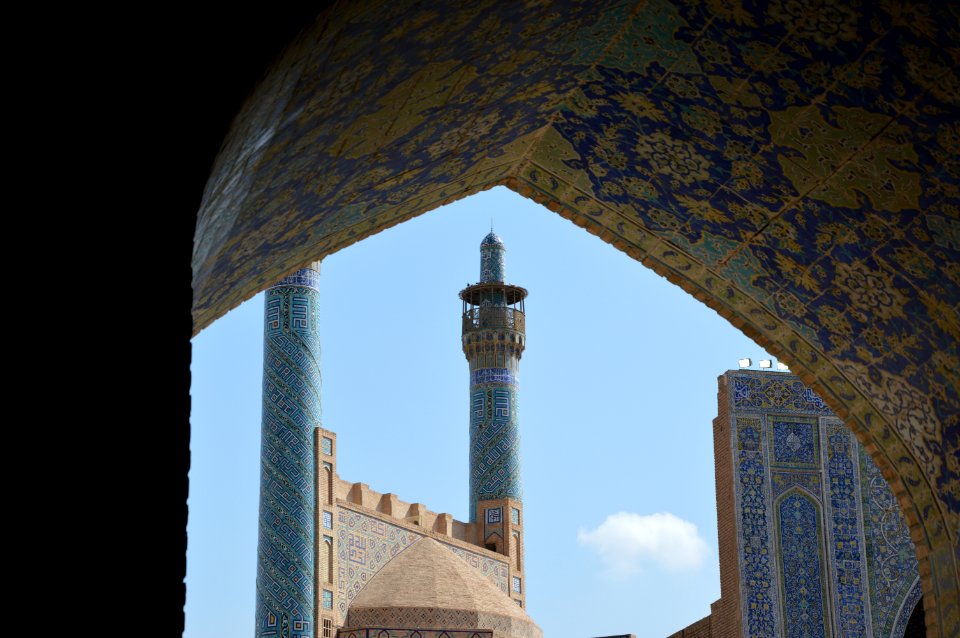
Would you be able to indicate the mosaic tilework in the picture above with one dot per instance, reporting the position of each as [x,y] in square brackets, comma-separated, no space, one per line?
[795,443]
[493,375]
[801,556]
[492,568]
[365,544]
[495,449]
[855,536]
[783,481]
[756,576]
[846,531]
[291,411]
[492,253]
[777,393]
[906,608]
[793,164]
[478,402]
[891,559]
[304,278]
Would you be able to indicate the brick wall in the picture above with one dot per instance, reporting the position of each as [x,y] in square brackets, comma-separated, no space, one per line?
[699,629]
[726,611]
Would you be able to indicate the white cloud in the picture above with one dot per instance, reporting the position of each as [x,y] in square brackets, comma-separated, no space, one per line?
[625,540]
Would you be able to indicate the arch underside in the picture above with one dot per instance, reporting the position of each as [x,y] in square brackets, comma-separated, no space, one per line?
[795,166]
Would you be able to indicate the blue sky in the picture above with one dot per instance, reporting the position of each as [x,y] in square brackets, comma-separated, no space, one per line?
[618,390]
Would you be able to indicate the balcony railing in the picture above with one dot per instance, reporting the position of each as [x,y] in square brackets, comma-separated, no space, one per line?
[494,317]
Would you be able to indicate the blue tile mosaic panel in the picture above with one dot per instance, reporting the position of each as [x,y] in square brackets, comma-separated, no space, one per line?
[846,515]
[784,480]
[493,375]
[795,443]
[844,561]
[495,452]
[492,258]
[801,557]
[776,393]
[906,608]
[756,575]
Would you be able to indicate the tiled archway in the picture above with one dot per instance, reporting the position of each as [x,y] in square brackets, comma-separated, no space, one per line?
[794,166]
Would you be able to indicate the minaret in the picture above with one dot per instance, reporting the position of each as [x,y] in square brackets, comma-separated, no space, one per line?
[493,340]
[291,411]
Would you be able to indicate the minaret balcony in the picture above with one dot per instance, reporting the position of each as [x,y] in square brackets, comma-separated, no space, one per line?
[493,318]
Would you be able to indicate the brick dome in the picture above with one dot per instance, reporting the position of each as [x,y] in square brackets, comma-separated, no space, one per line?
[428,587]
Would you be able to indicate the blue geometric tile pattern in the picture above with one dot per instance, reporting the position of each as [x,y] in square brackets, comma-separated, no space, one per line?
[780,394]
[801,554]
[492,258]
[495,447]
[756,578]
[846,530]
[291,411]
[842,562]
[795,443]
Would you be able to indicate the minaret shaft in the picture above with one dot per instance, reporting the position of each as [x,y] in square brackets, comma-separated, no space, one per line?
[291,410]
[494,357]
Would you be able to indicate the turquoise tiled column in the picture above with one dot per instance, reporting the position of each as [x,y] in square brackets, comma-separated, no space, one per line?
[291,410]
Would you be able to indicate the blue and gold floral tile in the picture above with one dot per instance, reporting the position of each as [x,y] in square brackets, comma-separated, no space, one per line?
[729,216]
[652,43]
[834,31]
[738,44]
[874,83]
[711,249]
[577,33]
[921,264]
